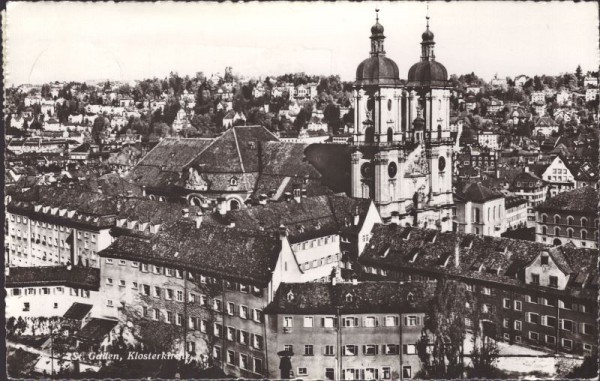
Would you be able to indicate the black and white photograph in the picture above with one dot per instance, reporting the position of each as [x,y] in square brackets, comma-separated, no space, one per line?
[388,190]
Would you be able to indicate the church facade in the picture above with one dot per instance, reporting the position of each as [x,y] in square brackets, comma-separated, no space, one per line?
[402,155]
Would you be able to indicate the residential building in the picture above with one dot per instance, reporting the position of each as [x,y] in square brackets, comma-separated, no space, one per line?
[516,212]
[215,281]
[590,81]
[544,126]
[489,139]
[564,98]
[520,80]
[558,176]
[346,331]
[49,291]
[528,293]
[570,217]
[480,210]
[529,186]
[495,106]
[538,97]
[591,95]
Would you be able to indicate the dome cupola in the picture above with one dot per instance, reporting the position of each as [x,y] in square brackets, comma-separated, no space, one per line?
[377,69]
[427,72]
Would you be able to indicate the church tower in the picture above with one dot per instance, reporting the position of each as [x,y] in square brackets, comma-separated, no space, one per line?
[402,155]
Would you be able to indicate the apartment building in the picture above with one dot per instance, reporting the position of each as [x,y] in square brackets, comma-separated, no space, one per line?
[545,297]
[346,331]
[529,186]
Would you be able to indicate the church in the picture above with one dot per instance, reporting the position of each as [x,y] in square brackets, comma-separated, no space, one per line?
[402,148]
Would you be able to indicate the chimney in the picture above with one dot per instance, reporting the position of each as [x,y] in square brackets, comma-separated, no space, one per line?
[144,190]
[222,205]
[395,218]
[333,281]
[354,282]
[297,194]
[457,253]
[282,232]
[262,199]
[526,169]
[100,189]
[356,217]
[304,193]
[198,219]
[185,212]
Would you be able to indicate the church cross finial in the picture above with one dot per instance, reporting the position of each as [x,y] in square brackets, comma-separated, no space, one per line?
[427,16]
[376,15]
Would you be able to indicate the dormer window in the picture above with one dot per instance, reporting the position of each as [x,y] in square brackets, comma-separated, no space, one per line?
[349,297]
[410,297]
[233,182]
[290,296]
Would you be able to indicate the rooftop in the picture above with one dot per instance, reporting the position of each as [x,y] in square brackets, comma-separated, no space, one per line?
[581,200]
[78,277]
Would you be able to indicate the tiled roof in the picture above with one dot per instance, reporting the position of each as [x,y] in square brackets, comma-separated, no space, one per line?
[225,252]
[485,258]
[312,217]
[96,330]
[475,192]
[79,277]
[77,311]
[582,200]
[171,154]
[512,201]
[363,297]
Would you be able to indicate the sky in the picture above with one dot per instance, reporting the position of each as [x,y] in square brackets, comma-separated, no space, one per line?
[127,41]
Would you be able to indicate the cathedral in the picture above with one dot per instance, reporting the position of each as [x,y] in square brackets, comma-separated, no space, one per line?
[402,155]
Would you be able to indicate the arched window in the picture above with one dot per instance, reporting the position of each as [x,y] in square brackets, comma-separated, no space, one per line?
[584,221]
[489,209]
[439,131]
[556,242]
[390,135]
[152,197]
[544,218]
[234,204]
[161,198]
[583,234]
[544,230]
[476,211]
[570,233]
[233,182]
[570,221]
[494,214]
[557,220]
[369,135]
[557,232]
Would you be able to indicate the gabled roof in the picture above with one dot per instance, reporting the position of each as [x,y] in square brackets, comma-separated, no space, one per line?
[360,298]
[476,192]
[225,252]
[96,330]
[77,311]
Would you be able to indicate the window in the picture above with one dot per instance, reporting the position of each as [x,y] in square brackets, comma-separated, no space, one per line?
[411,321]
[518,305]
[350,322]
[544,259]
[203,300]
[122,262]
[302,372]
[330,373]
[409,349]
[567,325]
[169,318]
[179,320]
[486,291]
[288,348]
[587,349]
[180,296]
[230,333]
[517,325]
[469,287]
[217,353]
[244,338]
[156,293]
[231,357]
[169,294]
[26,306]
[308,350]
[406,372]
[329,350]
[288,321]
[217,305]
[391,349]
[308,322]
[121,283]
[156,314]
[244,312]
[550,339]
[350,350]
[257,341]
[144,311]
[371,321]
[230,309]
[506,303]
[468,322]
[533,318]
[328,322]
[217,330]
[109,281]
[257,315]
[135,264]
[505,323]
[391,321]
[535,278]
[534,336]
[587,329]
[553,281]
[370,350]
[557,220]
[567,344]
[145,267]
[109,261]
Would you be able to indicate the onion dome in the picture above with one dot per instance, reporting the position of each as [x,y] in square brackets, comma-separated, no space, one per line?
[428,72]
[377,70]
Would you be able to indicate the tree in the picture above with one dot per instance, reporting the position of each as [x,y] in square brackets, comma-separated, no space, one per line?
[440,348]
[98,128]
[578,73]
[485,349]
[587,370]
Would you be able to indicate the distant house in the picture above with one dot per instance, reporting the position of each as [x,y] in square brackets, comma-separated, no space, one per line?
[590,81]
[544,126]
[538,97]
[480,210]
[473,89]
[231,117]
[489,139]
[126,102]
[521,80]
[564,98]
[591,95]
[559,176]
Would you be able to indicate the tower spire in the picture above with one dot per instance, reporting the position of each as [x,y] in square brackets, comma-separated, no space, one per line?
[376,15]
[427,43]
[377,37]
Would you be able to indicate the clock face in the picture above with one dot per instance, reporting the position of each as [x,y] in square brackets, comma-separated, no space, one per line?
[366,170]
[389,105]
[392,170]
[441,163]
